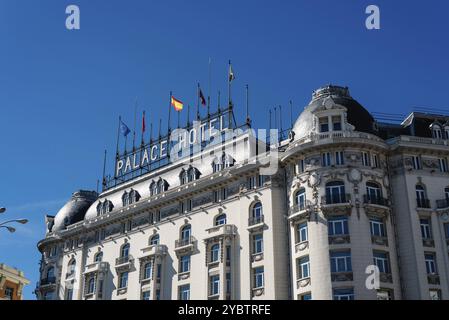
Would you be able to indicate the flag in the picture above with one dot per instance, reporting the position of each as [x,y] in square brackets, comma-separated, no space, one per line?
[203,100]
[231,73]
[178,105]
[124,128]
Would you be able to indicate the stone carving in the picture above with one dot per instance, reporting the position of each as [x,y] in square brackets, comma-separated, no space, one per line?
[355,176]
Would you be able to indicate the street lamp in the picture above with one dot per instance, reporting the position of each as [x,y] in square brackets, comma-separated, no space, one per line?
[9,228]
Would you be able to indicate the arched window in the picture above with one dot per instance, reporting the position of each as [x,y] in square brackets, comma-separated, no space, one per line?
[91,286]
[148,270]
[216,165]
[192,174]
[154,240]
[160,186]
[186,232]
[104,207]
[436,131]
[71,267]
[335,192]
[300,198]
[50,273]
[133,196]
[256,213]
[98,257]
[124,251]
[373,193]
[125,199]
[421,198]
[220,219]
[214,252]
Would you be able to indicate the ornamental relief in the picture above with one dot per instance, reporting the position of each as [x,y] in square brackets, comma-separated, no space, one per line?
[430,163]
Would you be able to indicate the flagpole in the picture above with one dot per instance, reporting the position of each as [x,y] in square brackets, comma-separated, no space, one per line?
[104,171]
[219,101]
[210,82]
[291,114]
[169,113]
[178,119]
[143,129]
[247,106]
[280,121]
[188,115]
[229,84]
[118,136]
[135,123]
[198,101]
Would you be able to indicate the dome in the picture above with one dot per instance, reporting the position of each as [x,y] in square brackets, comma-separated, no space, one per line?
[74,210]
[356,114]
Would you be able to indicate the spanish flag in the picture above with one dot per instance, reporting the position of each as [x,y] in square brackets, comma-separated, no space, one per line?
[178,105]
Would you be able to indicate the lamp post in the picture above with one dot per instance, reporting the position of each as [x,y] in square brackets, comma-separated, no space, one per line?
[7,227]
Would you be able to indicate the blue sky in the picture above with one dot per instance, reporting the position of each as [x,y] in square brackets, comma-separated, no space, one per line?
[62,91]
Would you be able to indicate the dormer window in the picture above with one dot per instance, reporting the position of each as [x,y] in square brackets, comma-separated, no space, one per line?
[436,131]
[223,162]
[130,197]
[183,177]
[324,124]
[446,130]
[104,207]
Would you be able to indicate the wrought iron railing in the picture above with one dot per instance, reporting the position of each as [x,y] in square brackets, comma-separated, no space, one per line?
[184,241]
[375,200]
[255,220]
[423,203]
[336,198]
[443,203]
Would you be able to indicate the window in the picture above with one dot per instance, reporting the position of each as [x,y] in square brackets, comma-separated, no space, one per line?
[224,194]
[436,131]
[382,262]
[130,197]
[183,177]
[326,160]
[435,294]
[260,180]
[220,220]
[324,124]
[341,261]
[377,227]
[426,230]
[124,251]
[214,285]
[71,267]
[301,166]
[154,240]
[338,225]
[9,293]
[302,232]
[123,280]
[446,193]
[48,295]
[214,253]
[153,188]
[375,161]
[91,286]
[366,160]
[251,183]
[257,243]
[300,198]
[258,277]
[421,198]
[186,232]
[306,296]
[98,257]
[184,292]
[104,207]
[228,283]
[431,265]
[416,162]
[192,174]
[50,273]
[148,271]
[335,192]
[146,295]
[384,294]
[303,268]
[343,294]
[339,158]
[257,212]
[373,192]
[446,230]
[69,294]
[184,264]
[336,123]
[443,164]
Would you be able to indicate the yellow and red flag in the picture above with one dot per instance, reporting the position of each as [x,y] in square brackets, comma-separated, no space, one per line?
[177,104]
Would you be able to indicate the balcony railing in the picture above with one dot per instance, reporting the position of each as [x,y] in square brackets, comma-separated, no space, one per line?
[123,260]
[335,198]
[367,199]
[46,281]
[255,220]
[184,242]
[443,203]
[423,203]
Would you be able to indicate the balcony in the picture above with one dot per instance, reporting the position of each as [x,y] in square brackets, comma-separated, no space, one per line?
[386,277]
[300,211]
[433,279]
[185,245]
[256,223]
[124,263]
[154,250]
[422,203]
[303,282]
[337,204]
[443,204]
[379,240]
[97,267]
[47,281]
[339,239]
[224,230]
[342,276]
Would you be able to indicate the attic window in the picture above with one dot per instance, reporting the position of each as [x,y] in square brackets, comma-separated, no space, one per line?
[336,123]
[436,131]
